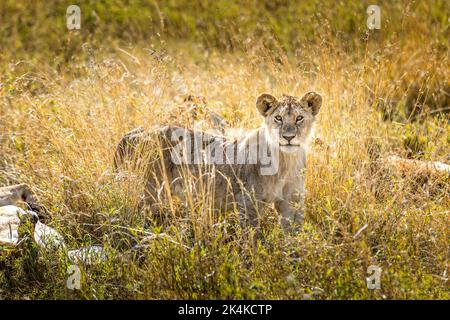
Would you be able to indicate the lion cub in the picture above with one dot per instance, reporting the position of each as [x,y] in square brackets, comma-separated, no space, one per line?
[265,166]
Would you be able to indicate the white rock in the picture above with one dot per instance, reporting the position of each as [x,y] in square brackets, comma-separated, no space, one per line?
[11,217]
[88,255]
[48,237]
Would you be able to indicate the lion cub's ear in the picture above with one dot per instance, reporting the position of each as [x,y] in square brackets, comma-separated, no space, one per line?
[314,101]
[266,104]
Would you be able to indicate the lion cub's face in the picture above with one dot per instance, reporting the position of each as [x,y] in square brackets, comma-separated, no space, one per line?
[289,121]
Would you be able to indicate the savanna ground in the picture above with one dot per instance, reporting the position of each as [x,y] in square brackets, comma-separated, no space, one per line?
[66,98]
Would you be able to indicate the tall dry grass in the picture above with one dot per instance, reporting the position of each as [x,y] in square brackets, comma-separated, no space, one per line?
[59,130]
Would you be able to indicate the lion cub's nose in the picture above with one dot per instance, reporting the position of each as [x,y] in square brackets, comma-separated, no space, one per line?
[288,137]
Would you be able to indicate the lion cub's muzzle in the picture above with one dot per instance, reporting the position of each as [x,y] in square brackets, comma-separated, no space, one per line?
[287,137]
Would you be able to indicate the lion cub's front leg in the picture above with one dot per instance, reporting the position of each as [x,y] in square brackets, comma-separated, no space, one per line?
[248,213]
[291,210]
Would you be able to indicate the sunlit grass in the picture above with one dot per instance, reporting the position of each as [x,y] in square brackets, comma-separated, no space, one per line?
[60,128]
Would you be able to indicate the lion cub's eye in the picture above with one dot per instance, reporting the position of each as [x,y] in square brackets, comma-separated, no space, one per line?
[278,118]
[299,119]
